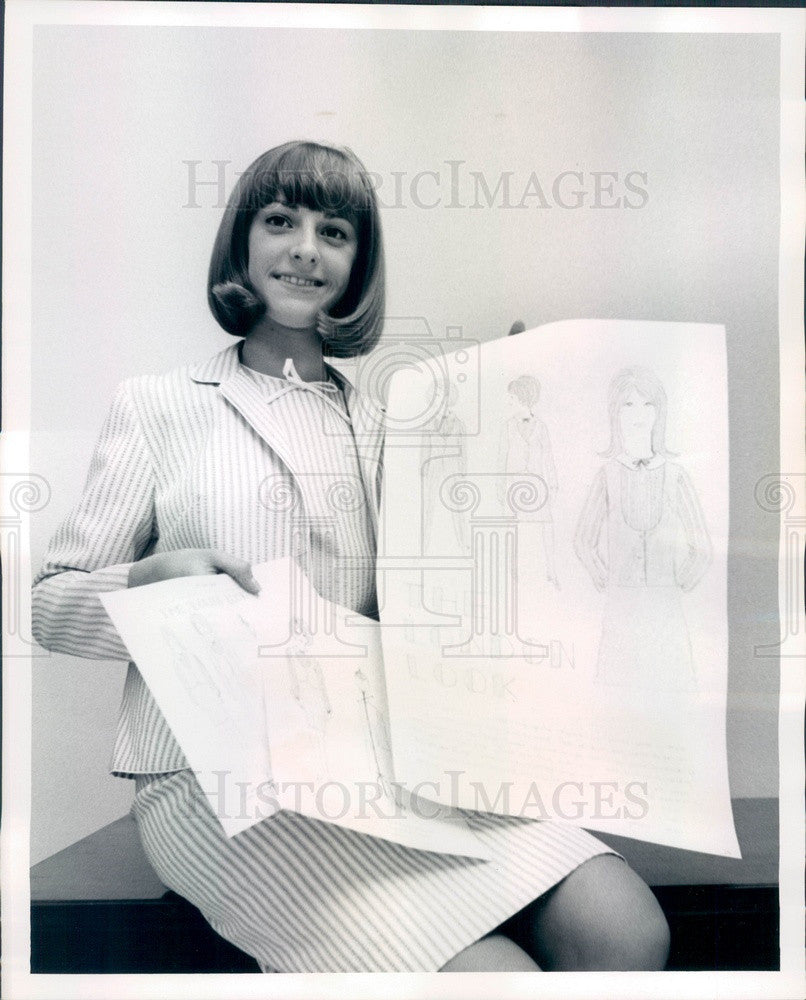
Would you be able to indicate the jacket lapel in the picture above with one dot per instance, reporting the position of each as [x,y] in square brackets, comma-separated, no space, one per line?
[367,418]
[245,396]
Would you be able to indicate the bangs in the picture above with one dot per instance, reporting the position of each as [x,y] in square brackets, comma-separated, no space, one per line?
[645,383]
[650,388]
[319,178]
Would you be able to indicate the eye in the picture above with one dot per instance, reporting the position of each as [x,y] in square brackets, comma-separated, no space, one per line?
[333,231]
[277,221]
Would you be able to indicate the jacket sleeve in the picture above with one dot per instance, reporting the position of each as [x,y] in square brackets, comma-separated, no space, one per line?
[109,529]
[699,551]
[589,530]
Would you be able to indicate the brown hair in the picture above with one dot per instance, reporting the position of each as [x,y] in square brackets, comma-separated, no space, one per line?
[325,179]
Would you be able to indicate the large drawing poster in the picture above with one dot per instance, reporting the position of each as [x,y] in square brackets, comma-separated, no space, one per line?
[556,644]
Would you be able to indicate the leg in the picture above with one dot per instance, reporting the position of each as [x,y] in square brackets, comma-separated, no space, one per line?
[494,953]
[602,916]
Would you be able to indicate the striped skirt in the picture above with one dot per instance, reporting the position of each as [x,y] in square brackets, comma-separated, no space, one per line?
[301,895]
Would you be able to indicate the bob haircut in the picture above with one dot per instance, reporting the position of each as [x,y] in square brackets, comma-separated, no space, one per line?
[525,389]
[324,179]
[646,384]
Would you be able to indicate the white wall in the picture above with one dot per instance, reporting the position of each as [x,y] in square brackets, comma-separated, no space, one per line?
[120,258]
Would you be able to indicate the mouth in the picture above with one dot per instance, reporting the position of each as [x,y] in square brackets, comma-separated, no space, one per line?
[297,282]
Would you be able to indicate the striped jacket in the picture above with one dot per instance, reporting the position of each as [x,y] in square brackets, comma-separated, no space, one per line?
[207,457]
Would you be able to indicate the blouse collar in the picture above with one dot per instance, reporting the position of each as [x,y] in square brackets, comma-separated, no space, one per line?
[641,463]
[224,365]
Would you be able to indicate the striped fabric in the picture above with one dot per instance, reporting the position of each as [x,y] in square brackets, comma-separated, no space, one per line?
[305,896]
[218,457]
[212,457]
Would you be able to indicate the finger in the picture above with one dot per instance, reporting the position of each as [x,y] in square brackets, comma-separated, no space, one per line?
[238,569]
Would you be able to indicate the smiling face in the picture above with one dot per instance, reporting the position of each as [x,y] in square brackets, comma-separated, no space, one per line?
[636,414]
[300,261]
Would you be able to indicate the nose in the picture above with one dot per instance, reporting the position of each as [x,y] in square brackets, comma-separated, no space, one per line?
[307,256]
[305,250]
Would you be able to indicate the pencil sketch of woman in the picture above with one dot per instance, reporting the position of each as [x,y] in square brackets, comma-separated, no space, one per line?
[642,537]
[309,691]
[524,447]
[445,531]
[378,741]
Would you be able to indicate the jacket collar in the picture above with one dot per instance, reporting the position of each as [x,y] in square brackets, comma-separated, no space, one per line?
[220,367]
[227,363]
[244,395]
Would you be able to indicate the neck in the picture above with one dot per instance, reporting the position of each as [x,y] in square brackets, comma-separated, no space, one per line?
[268,345]
[638,446]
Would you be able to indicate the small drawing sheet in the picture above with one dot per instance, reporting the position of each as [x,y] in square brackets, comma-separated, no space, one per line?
[277,701]
[554,595]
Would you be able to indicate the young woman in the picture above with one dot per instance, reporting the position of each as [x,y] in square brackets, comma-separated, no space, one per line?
[204,470]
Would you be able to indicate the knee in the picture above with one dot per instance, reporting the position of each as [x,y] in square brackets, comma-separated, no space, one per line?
[602,918]
[634,940]
[493,953]
[644,945]
[627,942]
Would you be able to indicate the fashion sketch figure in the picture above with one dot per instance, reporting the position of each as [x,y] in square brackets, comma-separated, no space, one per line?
[227,669]
[309,691]
[189,668]
[642,537]
[525,447]
[443,455]
[379,745]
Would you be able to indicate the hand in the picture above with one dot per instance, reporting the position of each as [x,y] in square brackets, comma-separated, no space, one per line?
[192,562]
